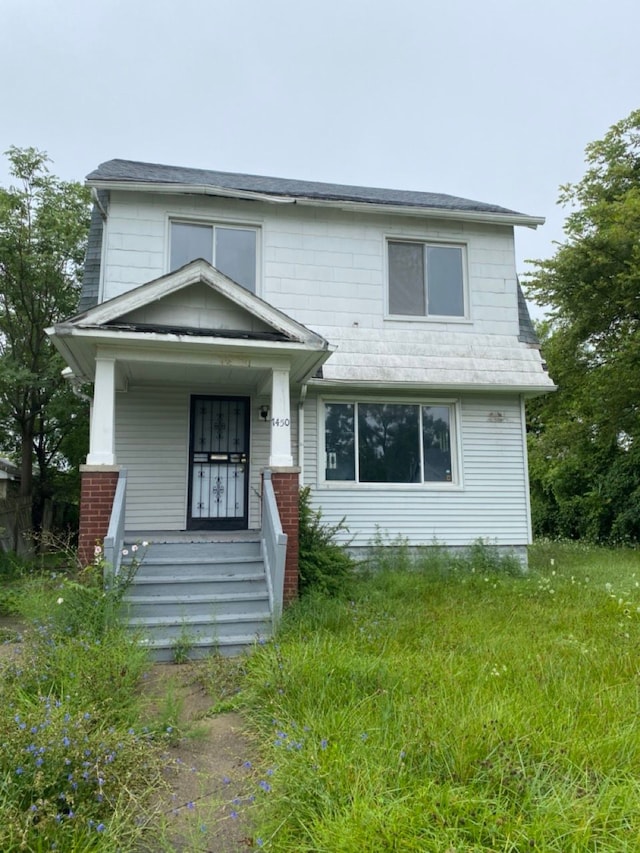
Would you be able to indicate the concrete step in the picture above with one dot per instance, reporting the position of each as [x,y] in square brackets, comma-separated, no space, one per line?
[199,548]
[165,651]
[190,628]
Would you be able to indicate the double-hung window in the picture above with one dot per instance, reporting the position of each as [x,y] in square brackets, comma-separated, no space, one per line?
[374,442]
[232,250]
[426,279]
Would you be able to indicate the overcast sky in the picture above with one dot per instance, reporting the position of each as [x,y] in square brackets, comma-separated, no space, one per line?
[492,100]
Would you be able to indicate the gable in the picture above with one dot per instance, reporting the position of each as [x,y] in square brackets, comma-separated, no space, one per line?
[196,307]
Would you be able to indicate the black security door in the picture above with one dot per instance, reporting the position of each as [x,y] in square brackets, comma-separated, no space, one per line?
[219,463]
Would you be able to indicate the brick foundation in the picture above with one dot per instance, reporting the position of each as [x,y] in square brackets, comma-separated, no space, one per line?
[97,491]
[286,487]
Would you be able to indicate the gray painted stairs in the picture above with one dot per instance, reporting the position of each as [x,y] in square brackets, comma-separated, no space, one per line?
[206,593]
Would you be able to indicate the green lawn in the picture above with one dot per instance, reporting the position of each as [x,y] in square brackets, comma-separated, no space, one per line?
[457,707]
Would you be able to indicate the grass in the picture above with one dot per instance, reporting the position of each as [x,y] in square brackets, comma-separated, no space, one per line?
[77,767]
[458,705]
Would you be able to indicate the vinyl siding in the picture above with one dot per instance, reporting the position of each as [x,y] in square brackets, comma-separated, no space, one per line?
[152,443]
[327,270]
[490,500]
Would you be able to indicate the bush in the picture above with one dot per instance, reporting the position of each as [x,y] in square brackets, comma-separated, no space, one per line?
[325,566]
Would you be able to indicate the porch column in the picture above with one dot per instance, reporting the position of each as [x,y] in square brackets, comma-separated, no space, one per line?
[280,420]
[101,441]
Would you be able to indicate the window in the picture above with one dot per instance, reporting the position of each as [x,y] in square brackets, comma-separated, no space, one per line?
[368,442]
[231,250]
[425,279]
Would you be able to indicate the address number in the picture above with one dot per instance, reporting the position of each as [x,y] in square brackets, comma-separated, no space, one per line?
[280,422]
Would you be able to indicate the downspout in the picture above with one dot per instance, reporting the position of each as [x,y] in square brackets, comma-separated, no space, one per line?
[303,395]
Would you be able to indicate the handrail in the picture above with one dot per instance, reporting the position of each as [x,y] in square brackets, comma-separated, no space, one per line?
[113,541]
[274,547]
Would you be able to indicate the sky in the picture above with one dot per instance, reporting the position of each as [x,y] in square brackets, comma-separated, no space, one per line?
[493,100]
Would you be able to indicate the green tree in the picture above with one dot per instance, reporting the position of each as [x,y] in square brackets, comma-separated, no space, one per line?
[43,229]
[585,439]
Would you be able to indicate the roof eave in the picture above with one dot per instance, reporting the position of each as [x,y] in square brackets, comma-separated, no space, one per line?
[495,218]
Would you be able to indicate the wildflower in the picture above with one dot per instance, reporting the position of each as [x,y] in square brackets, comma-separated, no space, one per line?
[60,601]
[97,551]
[134,548]
[100,827]
[19,771]
[364,736]
[233,814]
[324,743]
[226,780]
[191,805]
[247,765]
[265,786]
[259,842]
[145,544]
[125,552]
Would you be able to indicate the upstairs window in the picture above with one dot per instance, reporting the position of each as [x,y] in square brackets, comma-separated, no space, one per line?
[426,279]
[367,442]
[231,250]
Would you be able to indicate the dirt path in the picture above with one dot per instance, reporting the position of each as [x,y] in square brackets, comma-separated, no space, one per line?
[207,806]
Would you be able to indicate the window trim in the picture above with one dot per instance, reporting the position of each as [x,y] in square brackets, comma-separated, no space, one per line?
[426,242]
[213,222]
[455,484]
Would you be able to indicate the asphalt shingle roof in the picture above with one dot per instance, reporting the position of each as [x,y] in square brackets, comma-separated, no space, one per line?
[154,173]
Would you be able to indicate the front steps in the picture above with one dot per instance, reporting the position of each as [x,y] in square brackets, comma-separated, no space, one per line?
[198,594]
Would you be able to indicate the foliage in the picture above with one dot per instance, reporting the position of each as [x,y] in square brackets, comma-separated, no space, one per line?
[43,228]
[456,708]
[584,440]
[77,769]
[324,565]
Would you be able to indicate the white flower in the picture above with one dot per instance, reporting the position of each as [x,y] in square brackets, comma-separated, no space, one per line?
[144,544]
[134,548]
[125,551]
[60,600]
[97,551]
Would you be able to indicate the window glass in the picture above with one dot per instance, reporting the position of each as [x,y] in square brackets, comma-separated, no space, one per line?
[436,443]
[189,242]
[406,279]
[388,443]
[236,255]
[340,442]
[445,282]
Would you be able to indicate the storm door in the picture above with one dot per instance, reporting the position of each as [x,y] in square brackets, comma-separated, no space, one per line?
[219,463]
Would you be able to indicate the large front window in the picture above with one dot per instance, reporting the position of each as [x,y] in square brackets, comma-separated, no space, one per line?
[231,250]
[425,279]
[372,442]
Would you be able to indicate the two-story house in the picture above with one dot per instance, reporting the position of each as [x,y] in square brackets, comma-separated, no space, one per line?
[247,334]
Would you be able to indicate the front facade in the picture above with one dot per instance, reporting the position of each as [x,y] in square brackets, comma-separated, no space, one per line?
[371,344]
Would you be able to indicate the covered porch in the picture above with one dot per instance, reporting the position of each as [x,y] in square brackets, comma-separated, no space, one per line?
[194,415]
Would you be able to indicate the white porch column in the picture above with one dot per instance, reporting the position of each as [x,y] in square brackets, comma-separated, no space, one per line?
[280,420]
[101,440]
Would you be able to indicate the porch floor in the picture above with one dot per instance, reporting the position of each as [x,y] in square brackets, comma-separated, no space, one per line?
[187,536]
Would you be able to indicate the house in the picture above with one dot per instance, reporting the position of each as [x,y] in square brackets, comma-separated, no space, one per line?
[247,334]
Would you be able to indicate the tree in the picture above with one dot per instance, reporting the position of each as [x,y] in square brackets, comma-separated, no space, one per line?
[43,228]
[585,439]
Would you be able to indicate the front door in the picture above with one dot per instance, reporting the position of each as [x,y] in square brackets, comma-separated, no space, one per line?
[219,464]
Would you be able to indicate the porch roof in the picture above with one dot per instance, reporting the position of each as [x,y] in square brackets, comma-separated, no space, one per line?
[126,328]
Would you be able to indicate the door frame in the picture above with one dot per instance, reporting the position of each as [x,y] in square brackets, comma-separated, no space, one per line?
[226,523]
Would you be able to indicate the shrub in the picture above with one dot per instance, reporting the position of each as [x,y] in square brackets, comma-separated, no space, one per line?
[325,566]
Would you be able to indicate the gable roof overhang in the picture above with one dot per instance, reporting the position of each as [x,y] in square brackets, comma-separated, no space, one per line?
[104,331]
[137,176]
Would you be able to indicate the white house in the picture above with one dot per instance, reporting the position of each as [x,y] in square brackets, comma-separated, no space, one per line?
[247,334]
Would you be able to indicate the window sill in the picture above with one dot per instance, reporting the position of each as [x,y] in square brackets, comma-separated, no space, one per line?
[343,485]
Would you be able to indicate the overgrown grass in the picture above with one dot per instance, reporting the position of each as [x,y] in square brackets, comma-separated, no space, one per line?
[77,766]
[457,707]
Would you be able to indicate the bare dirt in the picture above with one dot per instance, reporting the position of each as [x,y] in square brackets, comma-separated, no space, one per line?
[206,805]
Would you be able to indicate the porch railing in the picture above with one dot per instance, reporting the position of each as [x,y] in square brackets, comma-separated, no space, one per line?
[274,547]
[114,539]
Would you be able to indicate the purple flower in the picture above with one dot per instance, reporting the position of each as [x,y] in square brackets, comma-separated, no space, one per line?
[100,827]
[265,785]
[191,805]
[233,814]
[226,780]
[324,743]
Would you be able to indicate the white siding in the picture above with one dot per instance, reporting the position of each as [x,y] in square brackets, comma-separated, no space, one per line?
[326,269]
[152,443]
[491,501]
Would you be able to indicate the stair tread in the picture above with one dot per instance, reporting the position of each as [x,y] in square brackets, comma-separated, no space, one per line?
[248,576]
[222,597]
[205,559]
[240,640]
[205,619]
